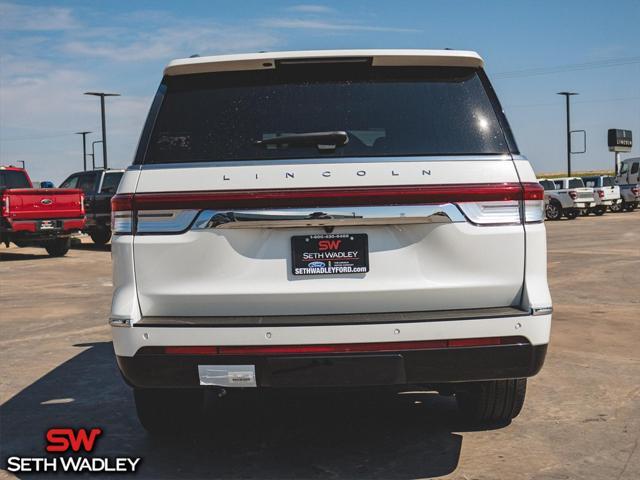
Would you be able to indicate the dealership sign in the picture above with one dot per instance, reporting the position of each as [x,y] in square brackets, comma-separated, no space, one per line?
[68,440]
[619,140]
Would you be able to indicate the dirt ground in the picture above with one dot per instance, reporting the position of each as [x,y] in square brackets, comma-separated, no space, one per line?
[581,418]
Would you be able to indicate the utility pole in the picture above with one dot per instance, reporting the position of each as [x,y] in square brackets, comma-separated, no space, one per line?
[93,153]
[104,127]
[567,95]
[84,149]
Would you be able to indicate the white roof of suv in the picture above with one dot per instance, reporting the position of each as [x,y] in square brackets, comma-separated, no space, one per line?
[266,60]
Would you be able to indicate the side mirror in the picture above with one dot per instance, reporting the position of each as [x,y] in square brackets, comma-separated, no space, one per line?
[46,184]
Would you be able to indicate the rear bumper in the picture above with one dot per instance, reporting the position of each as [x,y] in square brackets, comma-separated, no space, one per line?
[417,367]
[144,363]
[60,225]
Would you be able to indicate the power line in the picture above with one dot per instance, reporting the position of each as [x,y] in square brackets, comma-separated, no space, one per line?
[529,72]
[550,104]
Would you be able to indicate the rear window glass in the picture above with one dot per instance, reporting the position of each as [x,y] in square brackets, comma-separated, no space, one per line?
[548,185]
[608,182]
[13,179]
[590,182]
[634,167]
[576,183]
[384,110]
[87,182]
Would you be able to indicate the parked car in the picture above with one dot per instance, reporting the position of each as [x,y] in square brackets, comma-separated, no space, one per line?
[629,181]
[43,217]
[606,193]
[378,241]
[566,197]
[98,187]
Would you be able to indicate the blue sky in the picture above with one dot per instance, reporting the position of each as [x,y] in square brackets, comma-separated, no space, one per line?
[51,52]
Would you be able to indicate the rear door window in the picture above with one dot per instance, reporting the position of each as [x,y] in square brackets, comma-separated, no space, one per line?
[385,111]
[634,167]
[608,182]
[71,182]
[576,183]
[110,182]
[87,182]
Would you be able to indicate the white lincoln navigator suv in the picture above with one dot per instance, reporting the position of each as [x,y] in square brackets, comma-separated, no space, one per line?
[328,219]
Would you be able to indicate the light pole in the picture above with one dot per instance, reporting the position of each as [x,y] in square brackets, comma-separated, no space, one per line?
[566,96]
[104,128]
[93,154]
[84,149]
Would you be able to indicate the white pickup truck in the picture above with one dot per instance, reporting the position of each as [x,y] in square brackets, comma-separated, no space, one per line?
[606,193]
[629,181]
[328,219]
[566,197]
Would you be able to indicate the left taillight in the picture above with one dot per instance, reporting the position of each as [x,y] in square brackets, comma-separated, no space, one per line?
[122,211]
[601,193]
[82,210]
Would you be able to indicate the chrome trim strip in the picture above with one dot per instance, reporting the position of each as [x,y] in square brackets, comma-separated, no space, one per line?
[331,216]
[535,311]
[161,221]
[119,322]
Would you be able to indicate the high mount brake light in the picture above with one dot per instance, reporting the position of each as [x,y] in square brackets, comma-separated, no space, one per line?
[482,203]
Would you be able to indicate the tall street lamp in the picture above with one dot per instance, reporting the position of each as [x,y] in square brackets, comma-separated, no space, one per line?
[84,149]
[566,96]
[104,135]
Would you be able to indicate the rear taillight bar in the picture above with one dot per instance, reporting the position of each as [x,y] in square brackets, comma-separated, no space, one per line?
[267,350]
[125,207]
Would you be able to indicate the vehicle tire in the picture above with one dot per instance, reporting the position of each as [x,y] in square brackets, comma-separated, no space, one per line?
[58,247]
[164,411]
[599,211]
[616,207]
[630,207]
[100,236]
[553,211]
[571,213]
[585,212]
[496,401]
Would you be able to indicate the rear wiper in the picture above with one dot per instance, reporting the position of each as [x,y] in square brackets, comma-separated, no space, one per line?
[323,140]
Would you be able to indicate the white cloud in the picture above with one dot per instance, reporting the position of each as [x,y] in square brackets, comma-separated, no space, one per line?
[314,24]
[311,8]
[14,17]
[171,42]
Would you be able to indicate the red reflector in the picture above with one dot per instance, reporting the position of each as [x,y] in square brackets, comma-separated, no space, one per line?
[314,197]
[474,342]
[260,350]
[191,350]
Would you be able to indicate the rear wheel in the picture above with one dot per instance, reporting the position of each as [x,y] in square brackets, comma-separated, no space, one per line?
[100,236]
[571,213]
[496,401]
[616,207]
[553,211]
[630,207]
[599,211]
[58,247]
[168,410]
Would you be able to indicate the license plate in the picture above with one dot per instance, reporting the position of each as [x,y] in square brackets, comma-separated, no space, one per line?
[330,254]
[49,224]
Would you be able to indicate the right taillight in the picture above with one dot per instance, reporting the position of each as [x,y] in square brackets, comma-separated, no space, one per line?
[635,191]
[122,214]
[601,193]
[573,194]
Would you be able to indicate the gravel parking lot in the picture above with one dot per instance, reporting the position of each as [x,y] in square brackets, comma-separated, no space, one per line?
[581,418]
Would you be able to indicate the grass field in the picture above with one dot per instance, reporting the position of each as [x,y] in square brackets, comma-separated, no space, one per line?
[583,173]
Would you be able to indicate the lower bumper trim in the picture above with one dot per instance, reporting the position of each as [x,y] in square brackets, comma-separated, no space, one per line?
[351,370]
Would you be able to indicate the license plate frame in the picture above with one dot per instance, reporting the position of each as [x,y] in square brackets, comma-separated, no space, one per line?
[329,254]
[49,225]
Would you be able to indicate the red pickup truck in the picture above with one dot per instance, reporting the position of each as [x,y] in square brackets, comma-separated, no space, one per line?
[44,217]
